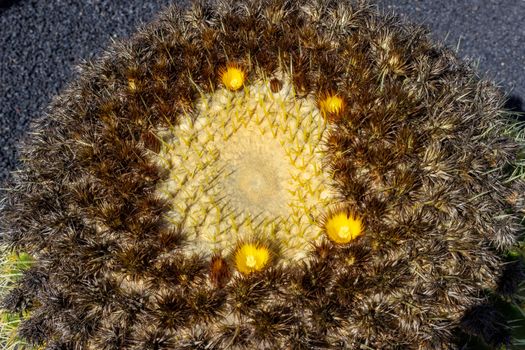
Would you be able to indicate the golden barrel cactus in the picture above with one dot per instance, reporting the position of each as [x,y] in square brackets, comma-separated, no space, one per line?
[267,175]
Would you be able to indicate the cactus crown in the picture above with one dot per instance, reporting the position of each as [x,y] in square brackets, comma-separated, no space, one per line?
[265,174]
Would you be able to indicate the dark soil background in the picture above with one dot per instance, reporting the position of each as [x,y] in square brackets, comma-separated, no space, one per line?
[41,41]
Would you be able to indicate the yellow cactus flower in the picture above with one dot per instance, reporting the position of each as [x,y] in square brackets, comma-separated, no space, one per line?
[332,104]
[233,78]
[342,227]
[251,258]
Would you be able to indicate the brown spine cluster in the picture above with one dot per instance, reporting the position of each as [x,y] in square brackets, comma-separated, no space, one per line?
[419,149]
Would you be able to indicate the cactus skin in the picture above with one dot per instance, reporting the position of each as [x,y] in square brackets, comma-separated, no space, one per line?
[11,269]
[421,148]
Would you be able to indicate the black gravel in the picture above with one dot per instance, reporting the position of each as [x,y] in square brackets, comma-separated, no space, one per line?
[41,41]
[487,33]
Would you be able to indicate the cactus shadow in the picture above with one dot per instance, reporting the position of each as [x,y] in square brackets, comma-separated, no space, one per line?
[515,104]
